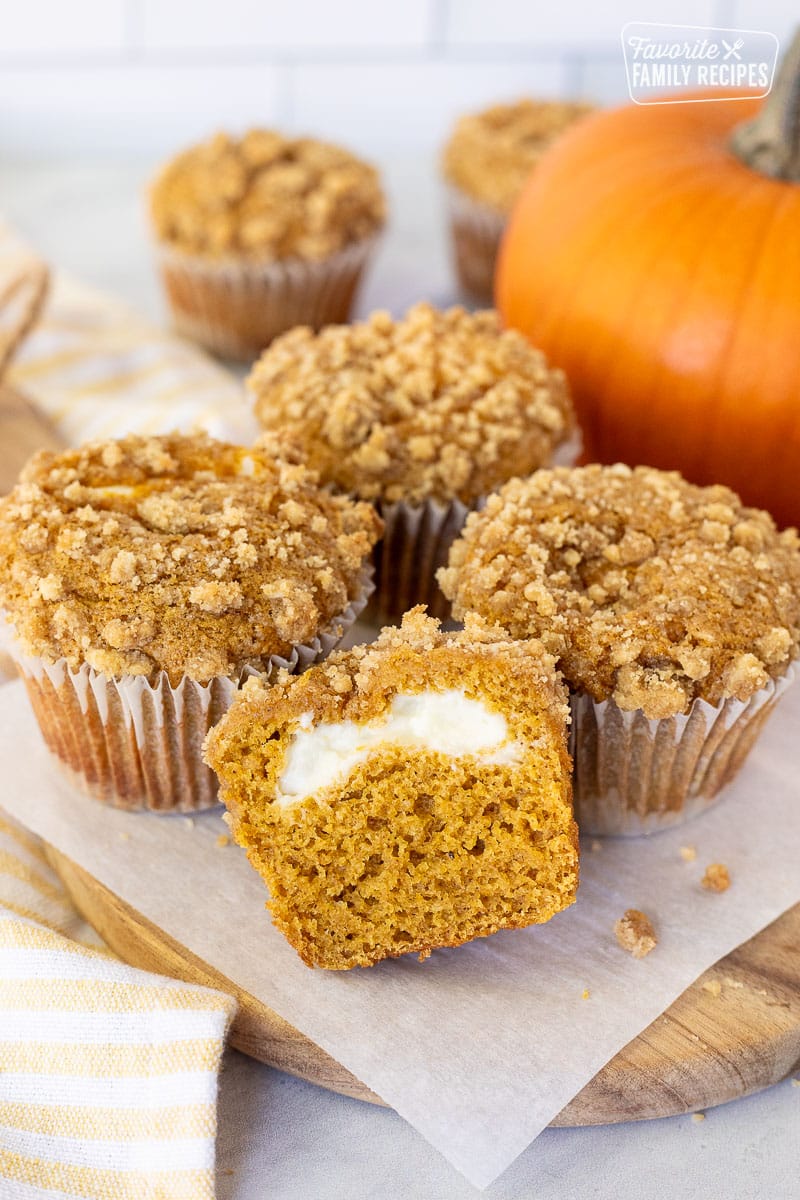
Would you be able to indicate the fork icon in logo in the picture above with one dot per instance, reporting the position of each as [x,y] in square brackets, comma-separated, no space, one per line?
[733,50]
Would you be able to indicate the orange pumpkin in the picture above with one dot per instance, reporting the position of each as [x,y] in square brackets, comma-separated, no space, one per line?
[662,272]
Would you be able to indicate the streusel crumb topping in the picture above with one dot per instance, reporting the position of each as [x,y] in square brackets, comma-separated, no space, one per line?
[649,590]
[490,154]
[716,878]
[357,684]
[635,933]
[266,197]
[437,404]
[176,553]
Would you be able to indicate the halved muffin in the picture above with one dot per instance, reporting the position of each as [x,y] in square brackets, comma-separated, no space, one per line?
[405,795]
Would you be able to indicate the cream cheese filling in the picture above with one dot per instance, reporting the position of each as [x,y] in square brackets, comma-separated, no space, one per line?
[446,722]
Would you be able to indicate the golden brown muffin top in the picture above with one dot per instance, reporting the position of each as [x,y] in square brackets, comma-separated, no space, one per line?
[491,153]
[649,590]
[176,553]
[264,197]
[358,684]
[436,404]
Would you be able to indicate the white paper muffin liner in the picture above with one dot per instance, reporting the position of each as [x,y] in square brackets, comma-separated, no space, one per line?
[476,231]
[637,776]
[138,745]
[235,308]
[416,542]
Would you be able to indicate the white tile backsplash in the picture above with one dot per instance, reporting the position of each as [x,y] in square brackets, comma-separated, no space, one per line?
[130,111]
[100,78]
[568,25]
[40,29]
[380,107]
[773,15]
[603,81]
[285,26]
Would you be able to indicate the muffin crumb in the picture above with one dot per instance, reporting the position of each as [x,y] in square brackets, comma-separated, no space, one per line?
[712,986]
[688,853]
[635,933]
[716,878]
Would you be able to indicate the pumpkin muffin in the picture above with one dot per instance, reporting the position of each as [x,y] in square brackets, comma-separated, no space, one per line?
[260,233]
[405,795]
[673,611]
[423,416]
[144,578]
[486,163]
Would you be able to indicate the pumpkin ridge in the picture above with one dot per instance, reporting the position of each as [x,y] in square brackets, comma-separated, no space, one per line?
[600,242]
[716,416]
[607,366]
[678,334]
[772,465]
[565,214]
[663,376]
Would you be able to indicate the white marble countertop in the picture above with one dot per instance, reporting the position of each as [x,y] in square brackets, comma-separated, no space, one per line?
[287,1140]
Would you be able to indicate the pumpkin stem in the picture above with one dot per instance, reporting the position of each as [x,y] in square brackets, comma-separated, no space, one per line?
[770,143]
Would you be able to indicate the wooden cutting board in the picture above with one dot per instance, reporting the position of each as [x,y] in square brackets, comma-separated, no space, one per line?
[735,1031]
[23,430]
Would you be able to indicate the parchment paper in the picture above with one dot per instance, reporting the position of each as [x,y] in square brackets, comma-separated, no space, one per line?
[481,1046]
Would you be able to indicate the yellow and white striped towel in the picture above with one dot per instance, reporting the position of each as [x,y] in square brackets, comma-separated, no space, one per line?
[99,370]
[108,1075]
